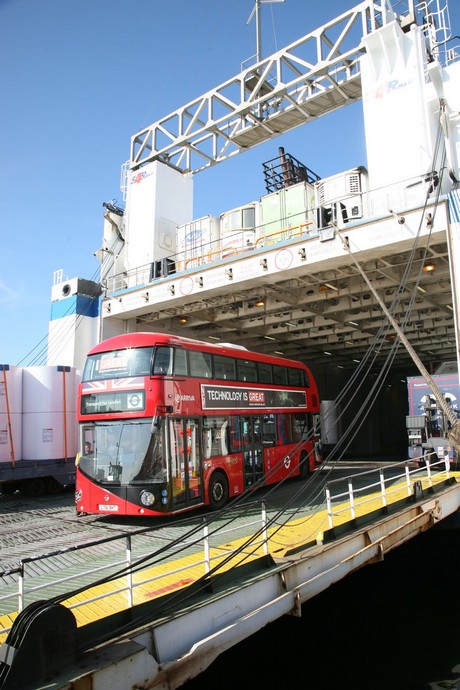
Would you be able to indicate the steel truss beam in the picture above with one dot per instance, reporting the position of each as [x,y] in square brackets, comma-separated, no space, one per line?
[309,78]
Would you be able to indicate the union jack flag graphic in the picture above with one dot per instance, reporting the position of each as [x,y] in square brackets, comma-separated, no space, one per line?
[113,385]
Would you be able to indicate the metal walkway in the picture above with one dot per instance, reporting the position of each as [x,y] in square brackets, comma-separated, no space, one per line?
[309,78]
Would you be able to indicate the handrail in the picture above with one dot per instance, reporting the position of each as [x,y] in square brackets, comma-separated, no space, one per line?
[263,238]
[353,499]
[352,492]
[210,554]
[141,275]
[199,259]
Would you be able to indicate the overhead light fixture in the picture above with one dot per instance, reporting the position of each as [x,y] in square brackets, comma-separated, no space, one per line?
[213,337]
[182,320]
[269,337]
[324,287]
[260,303]
[429,267]
[278,352]
[353,323]
[327,353]
[422,290]
[289,323]
[449,307]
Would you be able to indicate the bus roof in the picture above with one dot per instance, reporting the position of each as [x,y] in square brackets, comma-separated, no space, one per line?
[146,339]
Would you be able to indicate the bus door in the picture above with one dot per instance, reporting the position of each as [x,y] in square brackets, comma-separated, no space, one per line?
[186,468]
[253,460]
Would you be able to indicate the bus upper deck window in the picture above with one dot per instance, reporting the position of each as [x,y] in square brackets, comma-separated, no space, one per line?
[224,368]
[180,362]
[200,364]
[139,361]
[265,372]
[162,361]
[279,375]
[247,370]
[295,377]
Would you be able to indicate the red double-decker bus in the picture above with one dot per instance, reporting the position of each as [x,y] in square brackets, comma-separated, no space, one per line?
[168,424]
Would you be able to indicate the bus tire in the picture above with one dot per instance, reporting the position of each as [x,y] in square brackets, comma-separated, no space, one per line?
[304,461]
[218,491]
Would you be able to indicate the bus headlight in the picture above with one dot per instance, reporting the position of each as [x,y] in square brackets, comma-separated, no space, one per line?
[147,498]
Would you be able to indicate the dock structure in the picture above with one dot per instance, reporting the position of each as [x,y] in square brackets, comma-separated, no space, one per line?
[162,619]
[159,610]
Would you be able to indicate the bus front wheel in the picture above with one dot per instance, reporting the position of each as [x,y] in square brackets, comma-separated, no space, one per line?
[218,491]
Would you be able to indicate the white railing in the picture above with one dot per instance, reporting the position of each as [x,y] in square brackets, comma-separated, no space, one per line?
[405,193]
[342,506]
[383,487]
[205,551]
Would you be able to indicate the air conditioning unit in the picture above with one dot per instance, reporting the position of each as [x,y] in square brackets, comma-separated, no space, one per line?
[340,199]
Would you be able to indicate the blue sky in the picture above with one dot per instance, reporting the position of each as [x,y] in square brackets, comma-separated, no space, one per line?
[78,79]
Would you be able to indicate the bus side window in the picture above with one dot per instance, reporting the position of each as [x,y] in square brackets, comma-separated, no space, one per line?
[180,362]
[200,364]
[215,438]
[265,372]
[279,375]
[162,361]
[235,436]
[294,377]
[207,440]
[224,438]
[224,368]
[246,370]
[285,433]
[268,430]
[300,427]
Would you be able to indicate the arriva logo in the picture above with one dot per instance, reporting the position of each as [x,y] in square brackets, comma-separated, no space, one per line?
[184,398]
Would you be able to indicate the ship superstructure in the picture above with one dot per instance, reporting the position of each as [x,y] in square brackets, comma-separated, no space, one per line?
[287,251]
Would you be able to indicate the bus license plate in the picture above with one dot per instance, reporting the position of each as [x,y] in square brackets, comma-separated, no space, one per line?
[108,508]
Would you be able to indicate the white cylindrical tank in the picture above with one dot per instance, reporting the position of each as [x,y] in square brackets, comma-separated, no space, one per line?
[49,413]
[10,413]
[329,425]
